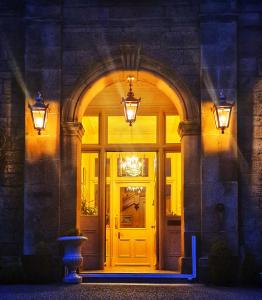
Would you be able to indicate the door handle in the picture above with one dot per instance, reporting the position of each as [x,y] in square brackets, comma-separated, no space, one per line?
[119,235]
[153,226]
[116,222]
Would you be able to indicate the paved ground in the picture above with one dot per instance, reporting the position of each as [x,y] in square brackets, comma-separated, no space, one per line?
[125,291]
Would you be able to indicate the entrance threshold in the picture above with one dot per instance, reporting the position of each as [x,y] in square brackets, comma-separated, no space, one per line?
[156,275]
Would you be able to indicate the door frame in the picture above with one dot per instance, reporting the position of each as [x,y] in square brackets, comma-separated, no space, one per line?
[134,181]
[189,130]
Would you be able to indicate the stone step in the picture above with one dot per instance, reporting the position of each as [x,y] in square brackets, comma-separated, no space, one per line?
[134,278]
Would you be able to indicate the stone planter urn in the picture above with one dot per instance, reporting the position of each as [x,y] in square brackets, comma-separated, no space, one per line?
[72,258]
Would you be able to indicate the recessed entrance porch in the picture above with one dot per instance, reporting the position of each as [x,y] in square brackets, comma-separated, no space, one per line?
[134,172]
[96,107]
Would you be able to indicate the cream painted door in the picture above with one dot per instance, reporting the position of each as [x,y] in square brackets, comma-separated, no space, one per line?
[134,224]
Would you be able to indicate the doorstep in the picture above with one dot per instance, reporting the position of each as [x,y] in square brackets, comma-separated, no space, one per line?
[154,277]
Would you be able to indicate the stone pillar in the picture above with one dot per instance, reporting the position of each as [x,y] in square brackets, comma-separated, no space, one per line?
[219,151]
[191,189]
[71,175]
[42,152]
[11,129]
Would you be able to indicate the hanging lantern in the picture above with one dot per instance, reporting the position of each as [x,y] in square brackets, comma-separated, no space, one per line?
[130,104]
[39,113]
[222,113]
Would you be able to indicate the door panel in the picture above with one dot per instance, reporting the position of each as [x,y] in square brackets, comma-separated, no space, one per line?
[132,214]
[133,237]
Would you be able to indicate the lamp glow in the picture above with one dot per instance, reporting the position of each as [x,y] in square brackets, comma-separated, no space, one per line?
[222,113]
[133,166]
[39,113]
[130,104]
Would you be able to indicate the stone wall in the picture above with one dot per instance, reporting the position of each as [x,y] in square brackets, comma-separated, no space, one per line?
[250,127]
[218,24]
[167,31]
[11,127]
[49,46]
[43,42]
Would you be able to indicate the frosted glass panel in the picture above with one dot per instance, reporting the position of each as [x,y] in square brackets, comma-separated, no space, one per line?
[173,184]
[89,184]
[90,124]
[132,207]
[142,131]
[172,123]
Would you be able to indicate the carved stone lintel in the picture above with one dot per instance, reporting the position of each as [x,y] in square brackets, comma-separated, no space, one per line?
[130,55]
[73,128]
[188,128]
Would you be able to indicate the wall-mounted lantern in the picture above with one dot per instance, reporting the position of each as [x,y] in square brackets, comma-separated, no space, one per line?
[39,113]
[222,112]
[130,103]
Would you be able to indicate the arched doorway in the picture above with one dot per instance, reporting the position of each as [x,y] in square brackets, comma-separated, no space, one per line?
[185,107]
[130,201]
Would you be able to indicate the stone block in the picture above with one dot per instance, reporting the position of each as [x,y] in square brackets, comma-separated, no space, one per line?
[9,249]
[144,11]
[210,168]
[51,58]
[217,6]
[227,75]
[192,197]
[248,65]
[249,18]
[219,192]
[208,238]
[172,39]
[81,3]
[51,83]
[191,39]
[250,41]
[217,220]
[191,56]
[77,60]
[207,33]
[44,10]
[42,148]
[192,219]
[46,171]
[15,202]
[68,200]
[83,15]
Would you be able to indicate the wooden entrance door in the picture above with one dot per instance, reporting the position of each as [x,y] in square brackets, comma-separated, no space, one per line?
[133,234]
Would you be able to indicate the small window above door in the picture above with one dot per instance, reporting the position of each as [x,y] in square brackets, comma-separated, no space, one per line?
[91,126]
[172,122]
[143,131]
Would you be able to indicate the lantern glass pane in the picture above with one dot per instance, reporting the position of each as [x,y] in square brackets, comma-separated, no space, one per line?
[91,126]
[215,116]
[39,118]
[130,111]
[172,135]
[223,114]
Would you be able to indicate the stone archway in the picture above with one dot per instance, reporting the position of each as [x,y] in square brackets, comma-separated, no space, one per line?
[189,129]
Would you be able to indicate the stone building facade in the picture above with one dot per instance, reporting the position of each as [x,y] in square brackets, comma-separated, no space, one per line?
[62,47]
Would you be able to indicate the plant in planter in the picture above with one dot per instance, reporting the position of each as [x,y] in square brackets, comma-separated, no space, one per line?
[221,264]
[38,266]
[11,270]
[72,241]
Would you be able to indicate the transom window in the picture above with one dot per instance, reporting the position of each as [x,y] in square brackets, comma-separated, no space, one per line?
[146,130]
